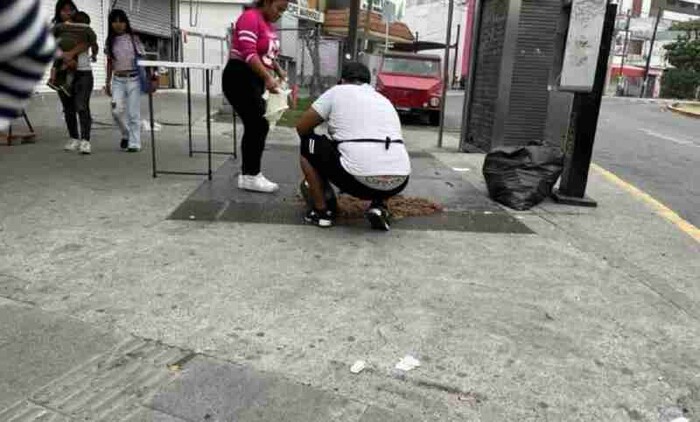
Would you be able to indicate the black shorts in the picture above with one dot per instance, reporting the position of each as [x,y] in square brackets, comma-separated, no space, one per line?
[322,153]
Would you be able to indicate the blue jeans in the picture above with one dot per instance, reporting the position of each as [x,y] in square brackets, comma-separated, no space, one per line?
[126,108]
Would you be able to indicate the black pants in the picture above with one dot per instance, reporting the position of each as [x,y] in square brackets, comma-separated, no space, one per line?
[77,106]
[244,90]
[324,157]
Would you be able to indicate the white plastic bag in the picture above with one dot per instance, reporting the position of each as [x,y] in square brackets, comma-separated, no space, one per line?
[277,104]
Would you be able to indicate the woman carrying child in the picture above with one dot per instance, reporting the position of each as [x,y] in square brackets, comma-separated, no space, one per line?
[71,75]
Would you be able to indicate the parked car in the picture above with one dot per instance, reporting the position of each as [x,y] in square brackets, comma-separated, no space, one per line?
[413,83]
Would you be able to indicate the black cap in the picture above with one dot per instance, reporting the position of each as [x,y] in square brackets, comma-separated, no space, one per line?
[356,72]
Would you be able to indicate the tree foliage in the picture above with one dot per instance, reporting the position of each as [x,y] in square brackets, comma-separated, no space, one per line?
[692,28]
[684,53]
[680,83]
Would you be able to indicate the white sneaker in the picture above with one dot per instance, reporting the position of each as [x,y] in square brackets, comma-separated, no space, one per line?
[85,147]
[257,183]
[72,145]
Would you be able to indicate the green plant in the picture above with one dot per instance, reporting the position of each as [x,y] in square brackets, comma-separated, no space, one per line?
[683,54]
[680,83]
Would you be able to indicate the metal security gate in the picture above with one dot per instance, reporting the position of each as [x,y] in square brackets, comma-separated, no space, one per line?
[508,102]
[152,17]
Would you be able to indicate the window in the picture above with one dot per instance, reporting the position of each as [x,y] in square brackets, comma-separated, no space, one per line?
[415,67]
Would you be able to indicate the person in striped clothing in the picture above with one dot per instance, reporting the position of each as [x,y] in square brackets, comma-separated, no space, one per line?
[26,49]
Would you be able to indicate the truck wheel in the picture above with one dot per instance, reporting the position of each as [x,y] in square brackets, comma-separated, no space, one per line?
[434,118]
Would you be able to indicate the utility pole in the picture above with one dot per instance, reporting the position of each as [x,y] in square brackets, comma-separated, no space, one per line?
[352,29]
[454,71]
[645,86]
[621,81]
[446,74]
[368,22]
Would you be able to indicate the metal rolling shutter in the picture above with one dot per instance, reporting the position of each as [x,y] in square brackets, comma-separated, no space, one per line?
[534,58]
[482,115]
[148,16]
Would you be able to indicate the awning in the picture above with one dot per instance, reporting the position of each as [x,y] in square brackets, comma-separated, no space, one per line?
[634,71]
[628,71]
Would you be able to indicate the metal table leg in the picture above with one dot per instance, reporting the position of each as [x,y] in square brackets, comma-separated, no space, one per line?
[207,77]
[235,137]
[189,110]
[153,133]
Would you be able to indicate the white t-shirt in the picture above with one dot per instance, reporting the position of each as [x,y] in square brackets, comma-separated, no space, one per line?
[84,62]
[356,112]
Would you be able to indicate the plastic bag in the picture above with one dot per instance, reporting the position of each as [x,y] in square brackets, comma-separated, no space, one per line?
[277,104]
[522,177]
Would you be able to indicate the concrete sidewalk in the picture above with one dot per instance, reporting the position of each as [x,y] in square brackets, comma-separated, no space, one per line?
[110,311]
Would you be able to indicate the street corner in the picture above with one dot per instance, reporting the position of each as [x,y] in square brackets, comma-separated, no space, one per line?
[687,109]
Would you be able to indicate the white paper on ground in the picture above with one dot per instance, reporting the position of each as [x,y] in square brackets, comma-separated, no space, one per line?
[408,363]
[358,367]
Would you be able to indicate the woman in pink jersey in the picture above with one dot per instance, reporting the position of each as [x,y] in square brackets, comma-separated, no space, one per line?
[251,70]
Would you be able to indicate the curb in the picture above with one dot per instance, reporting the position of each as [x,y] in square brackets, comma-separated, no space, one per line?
[680,111]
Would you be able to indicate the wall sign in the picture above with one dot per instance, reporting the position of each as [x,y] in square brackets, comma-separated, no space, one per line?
[583,45]
[305,13]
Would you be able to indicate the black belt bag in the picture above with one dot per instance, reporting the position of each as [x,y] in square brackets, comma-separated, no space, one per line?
[387,142]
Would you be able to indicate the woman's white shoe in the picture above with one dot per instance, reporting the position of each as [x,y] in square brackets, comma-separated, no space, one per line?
[258,183]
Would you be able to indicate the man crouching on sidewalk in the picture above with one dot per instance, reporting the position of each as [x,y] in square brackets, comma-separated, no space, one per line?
[364,154]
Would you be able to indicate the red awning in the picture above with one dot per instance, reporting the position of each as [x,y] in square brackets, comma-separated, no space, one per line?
[629,71]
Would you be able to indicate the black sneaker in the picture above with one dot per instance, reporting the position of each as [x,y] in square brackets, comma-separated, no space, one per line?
[378,218]
[319,218]
[124,144]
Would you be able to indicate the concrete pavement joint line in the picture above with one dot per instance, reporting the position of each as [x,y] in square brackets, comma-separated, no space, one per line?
[662,289]
[660,208]
[669,138]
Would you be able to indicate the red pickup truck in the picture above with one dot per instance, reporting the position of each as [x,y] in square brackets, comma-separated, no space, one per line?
[412,82]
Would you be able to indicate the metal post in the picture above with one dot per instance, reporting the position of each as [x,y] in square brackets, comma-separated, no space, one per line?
[352,28]
[153,133]
[585,113]
[204,51]
[368,22]
[386,38]
[620,89]
[235,137]
[26,120]
[189,110]
[473,52]
[206,77]
[454,71]
[446,73]
[645,86]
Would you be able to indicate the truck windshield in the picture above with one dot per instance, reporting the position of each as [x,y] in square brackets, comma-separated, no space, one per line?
[411,66]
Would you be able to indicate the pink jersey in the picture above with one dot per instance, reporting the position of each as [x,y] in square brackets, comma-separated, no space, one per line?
[253,35]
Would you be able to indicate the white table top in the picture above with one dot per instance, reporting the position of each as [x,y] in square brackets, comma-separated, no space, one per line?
[178,65]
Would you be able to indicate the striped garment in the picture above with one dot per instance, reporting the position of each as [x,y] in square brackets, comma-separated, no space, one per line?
[26,49]
[253,35]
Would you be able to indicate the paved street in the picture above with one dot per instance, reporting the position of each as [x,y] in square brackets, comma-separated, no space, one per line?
[654,149]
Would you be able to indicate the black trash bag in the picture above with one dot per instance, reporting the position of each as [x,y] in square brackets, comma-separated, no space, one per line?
[522,177]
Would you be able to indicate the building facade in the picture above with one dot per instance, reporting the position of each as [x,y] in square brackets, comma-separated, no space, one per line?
[633,43]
